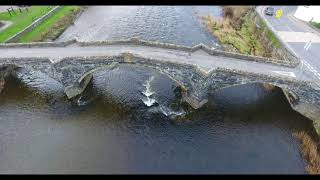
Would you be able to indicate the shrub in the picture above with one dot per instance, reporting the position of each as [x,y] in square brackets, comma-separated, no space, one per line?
[310,151]
[235,14]
[317,25]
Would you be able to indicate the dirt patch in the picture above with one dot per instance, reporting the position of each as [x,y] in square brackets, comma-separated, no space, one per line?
[4,24]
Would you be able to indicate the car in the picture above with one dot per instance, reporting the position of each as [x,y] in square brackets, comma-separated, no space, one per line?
[269,11]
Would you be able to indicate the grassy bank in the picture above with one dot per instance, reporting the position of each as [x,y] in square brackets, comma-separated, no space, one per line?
[21,20]
[317,25]
[54,26]
[310,149]
[239,30]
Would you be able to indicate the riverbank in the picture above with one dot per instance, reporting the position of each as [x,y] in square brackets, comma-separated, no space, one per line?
[54,26]
[317,25]
[310,150]
[247,34]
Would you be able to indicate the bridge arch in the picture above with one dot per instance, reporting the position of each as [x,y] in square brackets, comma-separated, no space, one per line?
[290,95]
[85,78]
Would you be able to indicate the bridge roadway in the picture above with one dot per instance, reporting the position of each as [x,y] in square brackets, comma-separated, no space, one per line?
[203,60]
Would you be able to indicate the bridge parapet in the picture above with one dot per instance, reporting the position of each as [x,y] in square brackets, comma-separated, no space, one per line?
[291,62]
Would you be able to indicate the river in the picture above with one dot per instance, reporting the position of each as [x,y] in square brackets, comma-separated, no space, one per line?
[124,122]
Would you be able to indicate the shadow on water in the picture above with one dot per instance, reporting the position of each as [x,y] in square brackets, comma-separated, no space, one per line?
[244,129]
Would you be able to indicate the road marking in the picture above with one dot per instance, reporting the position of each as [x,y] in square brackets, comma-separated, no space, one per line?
[284,36]
[310,68]
[286,73]
[294,36]
[308,46]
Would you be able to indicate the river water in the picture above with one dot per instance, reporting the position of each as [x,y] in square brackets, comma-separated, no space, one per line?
[125,121]
[170,24]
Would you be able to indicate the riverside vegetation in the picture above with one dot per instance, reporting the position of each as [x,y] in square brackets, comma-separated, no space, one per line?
[54,26]
[240,30]
[317,25]
[310,149]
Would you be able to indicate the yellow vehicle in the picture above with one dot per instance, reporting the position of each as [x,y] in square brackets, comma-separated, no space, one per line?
[279,13]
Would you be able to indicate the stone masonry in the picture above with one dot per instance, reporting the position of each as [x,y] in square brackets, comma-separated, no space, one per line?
[74,73]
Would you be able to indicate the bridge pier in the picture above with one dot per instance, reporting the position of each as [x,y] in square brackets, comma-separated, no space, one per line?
[78,87]
[2,82]
[310,111]
[194,102]
[6,71]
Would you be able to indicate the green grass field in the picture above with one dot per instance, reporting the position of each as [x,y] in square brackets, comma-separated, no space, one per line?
[21,20]
[53,26]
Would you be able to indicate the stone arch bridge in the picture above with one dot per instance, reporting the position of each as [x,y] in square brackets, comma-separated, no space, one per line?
[197,69]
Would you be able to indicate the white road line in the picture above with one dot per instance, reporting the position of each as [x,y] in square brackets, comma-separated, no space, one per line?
[307,48]
[307,43]
[286,73]
[309,67]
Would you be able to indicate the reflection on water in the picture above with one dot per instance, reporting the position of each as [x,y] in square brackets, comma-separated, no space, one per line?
[243,129]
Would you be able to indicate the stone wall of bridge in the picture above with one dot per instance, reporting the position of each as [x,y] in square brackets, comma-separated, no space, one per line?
[75,73]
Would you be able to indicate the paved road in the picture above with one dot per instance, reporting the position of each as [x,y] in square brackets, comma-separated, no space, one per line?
[200,58]
[297,34]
